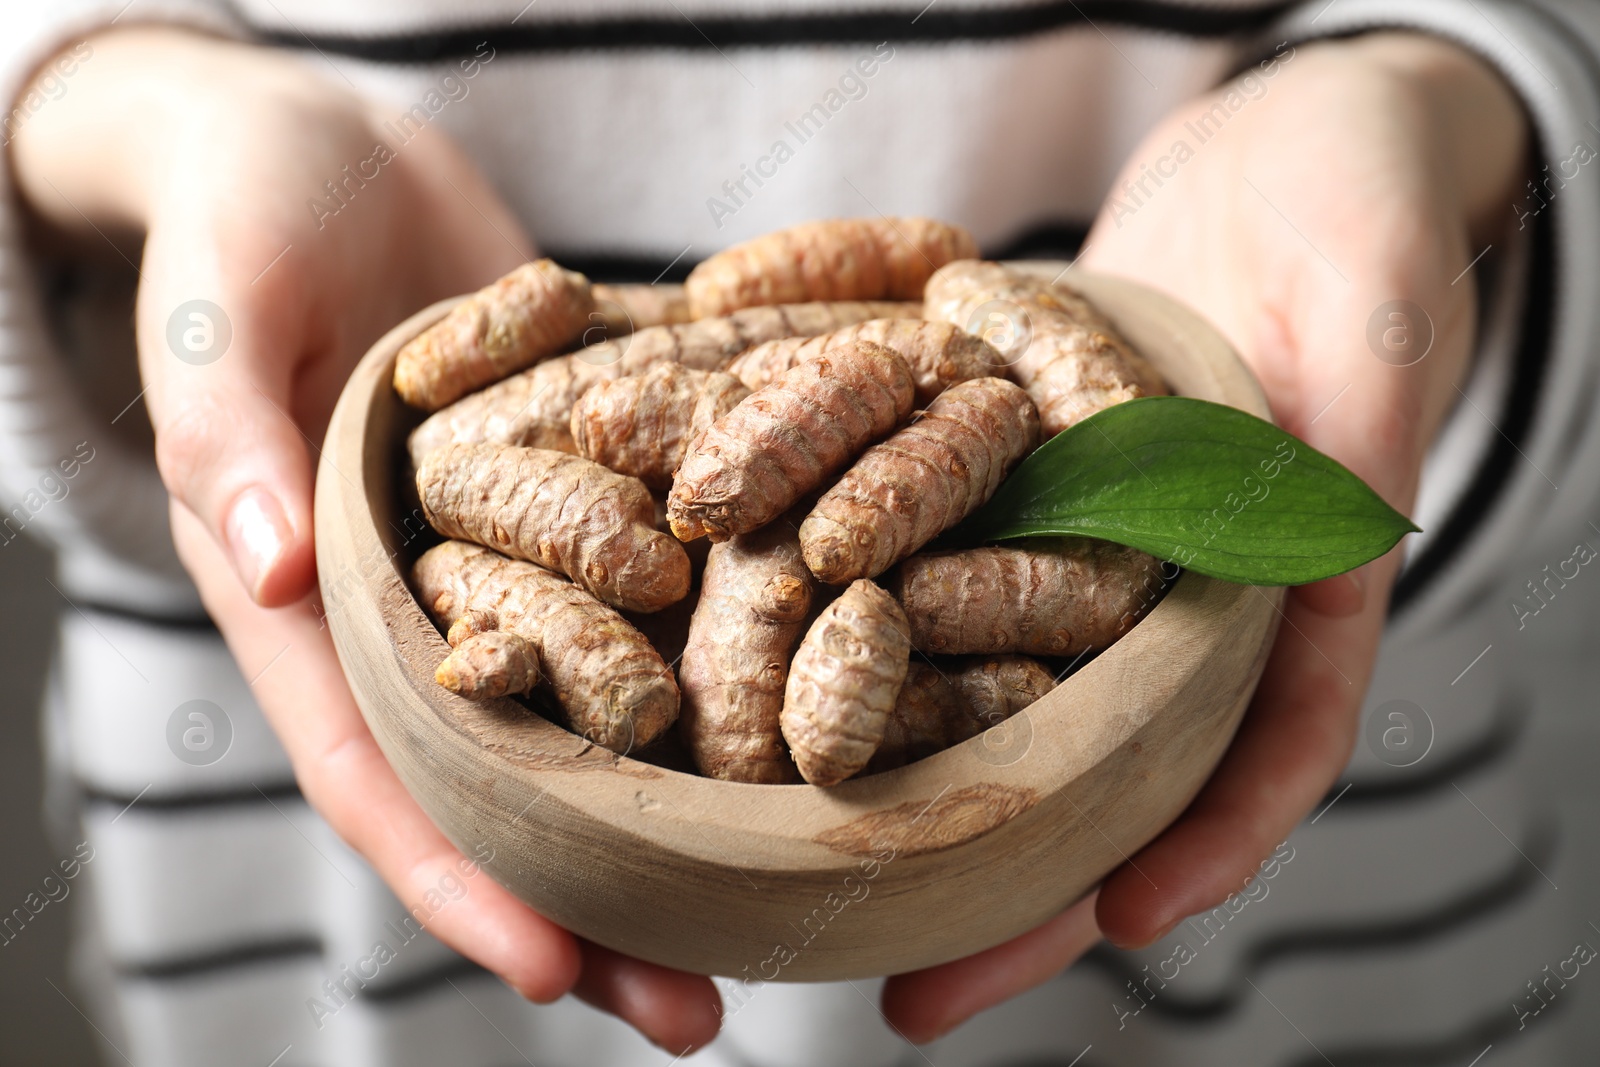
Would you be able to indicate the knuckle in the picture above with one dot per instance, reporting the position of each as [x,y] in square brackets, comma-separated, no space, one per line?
[189,441]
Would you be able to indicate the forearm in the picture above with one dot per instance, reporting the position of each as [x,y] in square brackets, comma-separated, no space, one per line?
[78,159]
[1476,132]
[107,152]
[1472,141]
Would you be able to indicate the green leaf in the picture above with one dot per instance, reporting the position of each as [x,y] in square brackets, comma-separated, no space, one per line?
[1212,488]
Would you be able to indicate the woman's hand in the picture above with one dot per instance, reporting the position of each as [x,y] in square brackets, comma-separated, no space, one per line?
[1345,176]
[254,303]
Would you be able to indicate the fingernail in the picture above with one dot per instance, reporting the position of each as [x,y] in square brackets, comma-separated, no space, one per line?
[257,531]
[1358,583]
[1136,944]
[536,996]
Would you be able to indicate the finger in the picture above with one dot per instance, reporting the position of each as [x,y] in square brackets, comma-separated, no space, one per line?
[1337,597]
[680,1012]
[220,355]
[347,780]
[926,1004]
[1293,743]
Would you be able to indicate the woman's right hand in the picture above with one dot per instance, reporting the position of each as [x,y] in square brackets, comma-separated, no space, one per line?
[253,306]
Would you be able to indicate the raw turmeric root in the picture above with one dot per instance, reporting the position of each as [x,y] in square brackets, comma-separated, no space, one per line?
[562,512]
[753,604]
[488,665]
[667,630]
[843,683]
[939,354]
[535,408]
[623,309]
[528,315]
[928,716]
[941,706]
[613,687]
[751,465]
[904,492]
[1066,354]
[1058,597]
[835,259]
[997,687]
[696,550]
[642,425]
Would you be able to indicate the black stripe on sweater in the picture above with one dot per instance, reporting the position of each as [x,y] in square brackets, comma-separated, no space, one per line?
[1494,746]
[1057,239]
[232,957]
[696,33]
[232,795]
[196,624]
[1465,910]
[255,954]
[1493,1025]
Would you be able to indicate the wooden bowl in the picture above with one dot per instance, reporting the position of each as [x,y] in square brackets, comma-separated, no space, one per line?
[902,870]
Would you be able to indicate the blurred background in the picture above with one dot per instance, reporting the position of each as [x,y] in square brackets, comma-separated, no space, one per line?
[39,1025]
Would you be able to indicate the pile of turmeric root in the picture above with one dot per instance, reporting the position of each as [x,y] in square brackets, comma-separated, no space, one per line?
[819,405]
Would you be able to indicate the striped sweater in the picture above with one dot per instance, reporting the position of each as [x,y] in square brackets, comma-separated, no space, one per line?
[1415,918]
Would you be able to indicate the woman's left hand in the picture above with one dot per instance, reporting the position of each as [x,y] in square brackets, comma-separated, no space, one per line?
[1341,177]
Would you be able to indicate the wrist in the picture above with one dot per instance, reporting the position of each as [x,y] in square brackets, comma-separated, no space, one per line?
[79,154]
[145,101]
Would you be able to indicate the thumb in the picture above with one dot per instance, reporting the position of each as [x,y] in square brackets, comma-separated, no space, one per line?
[219,369]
